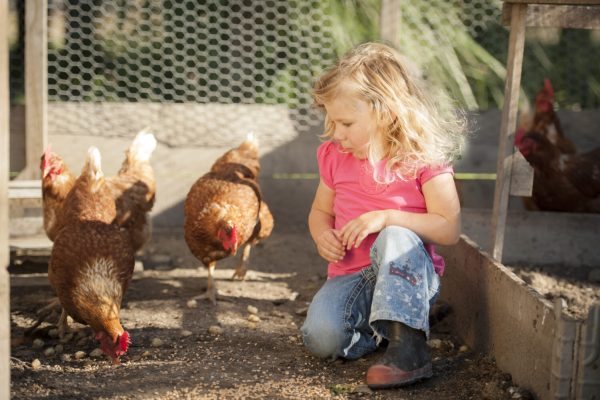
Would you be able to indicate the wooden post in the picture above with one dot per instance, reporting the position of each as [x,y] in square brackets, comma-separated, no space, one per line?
[508,125]
[4,251]
[389,22]
[36,85]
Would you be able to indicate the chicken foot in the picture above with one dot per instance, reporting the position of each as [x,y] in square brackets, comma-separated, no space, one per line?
[240,271]
[46,313]
[63,324]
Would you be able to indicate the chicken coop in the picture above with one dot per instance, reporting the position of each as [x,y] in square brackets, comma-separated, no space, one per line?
[201,75]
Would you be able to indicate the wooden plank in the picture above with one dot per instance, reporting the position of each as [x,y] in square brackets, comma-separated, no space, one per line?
[389,22]
[498,314]
[36,85]
[507,127]
[4,164]
[554,16]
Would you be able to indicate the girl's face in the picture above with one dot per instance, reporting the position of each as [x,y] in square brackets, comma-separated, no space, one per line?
[354,123]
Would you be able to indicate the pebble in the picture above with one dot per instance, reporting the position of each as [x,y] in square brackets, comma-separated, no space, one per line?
[82,341]
[96,353]
[434,343]
[301,311]
[252,310]
[362,389]
[253,318]
[37,344]
[215,330]
[36,364]
[79,355]
[463,348]
[67,338]
[53,333]
[145,354]
[186,333]
[59,348]
[65,357]
[156,342]
[81,333]
[277,313]
[49,351]
[192,304]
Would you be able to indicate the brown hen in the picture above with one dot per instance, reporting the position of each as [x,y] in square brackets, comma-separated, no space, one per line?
[92,260]
[224,210]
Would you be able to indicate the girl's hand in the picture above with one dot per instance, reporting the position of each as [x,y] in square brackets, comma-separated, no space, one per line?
[356,230]
[329,245]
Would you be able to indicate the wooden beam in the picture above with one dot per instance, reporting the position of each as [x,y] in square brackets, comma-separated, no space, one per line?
[555,16]
[4,163]
[36,85]
[508,125]
[389,22]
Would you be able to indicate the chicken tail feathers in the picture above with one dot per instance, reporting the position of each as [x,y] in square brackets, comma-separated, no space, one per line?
[142,146]
[250,143]
[93,164]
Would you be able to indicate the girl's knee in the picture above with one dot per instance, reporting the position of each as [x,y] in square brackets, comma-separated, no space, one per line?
[397,233]
[323,339]
[398,237]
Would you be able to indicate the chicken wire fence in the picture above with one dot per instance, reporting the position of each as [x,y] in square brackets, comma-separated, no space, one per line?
[204,72]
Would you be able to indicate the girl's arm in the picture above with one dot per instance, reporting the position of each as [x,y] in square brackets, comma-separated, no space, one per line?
[321,225]
[439,225]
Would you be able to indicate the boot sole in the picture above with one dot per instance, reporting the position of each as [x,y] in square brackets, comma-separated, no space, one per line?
[386,377]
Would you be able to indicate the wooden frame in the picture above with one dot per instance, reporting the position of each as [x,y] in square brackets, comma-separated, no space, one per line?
[36,85]
[4,167]
[519,18]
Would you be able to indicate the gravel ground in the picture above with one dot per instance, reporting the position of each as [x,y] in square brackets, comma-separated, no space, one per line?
[247,346]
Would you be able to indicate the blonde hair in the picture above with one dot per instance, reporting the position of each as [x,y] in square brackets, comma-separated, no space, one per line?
[413,131]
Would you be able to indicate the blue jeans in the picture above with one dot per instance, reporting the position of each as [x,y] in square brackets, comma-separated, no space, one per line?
[349,314]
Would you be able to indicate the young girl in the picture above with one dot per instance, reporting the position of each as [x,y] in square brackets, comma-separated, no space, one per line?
[385,197]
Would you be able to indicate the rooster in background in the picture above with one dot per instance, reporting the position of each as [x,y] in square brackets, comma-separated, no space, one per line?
[562,182]
[57,181]
[92,260]
[545,121]
[134,188]
[224,210]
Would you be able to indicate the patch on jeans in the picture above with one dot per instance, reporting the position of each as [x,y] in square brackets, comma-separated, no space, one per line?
[403,270]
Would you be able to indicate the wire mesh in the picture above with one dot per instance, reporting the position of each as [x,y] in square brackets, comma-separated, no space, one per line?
[204,72]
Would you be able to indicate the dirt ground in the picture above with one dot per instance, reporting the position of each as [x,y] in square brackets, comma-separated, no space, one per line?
[247,346]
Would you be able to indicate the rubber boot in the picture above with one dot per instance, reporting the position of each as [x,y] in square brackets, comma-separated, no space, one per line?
[405,361]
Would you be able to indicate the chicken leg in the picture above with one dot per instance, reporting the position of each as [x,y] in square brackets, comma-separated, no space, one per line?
[240,271]
[46,313]
[211,289]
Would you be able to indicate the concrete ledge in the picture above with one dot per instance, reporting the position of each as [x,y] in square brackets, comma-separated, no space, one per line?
[540,238]
[544,350]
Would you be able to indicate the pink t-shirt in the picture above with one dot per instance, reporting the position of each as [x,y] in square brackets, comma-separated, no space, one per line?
[356,192]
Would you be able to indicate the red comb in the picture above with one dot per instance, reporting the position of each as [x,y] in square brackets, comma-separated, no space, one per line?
[48,151]
[548,88]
